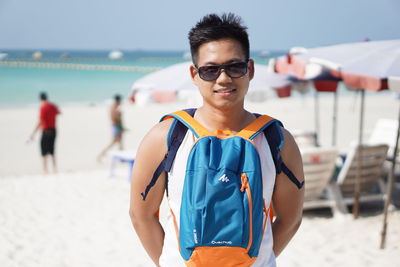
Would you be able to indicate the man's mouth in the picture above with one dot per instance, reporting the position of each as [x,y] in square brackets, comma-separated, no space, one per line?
[224,91]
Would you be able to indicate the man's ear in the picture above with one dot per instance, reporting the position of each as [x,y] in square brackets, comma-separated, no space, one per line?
[193,74]
[251,69]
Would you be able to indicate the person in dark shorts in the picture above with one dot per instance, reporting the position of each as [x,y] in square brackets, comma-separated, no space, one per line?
[47,122]
[47,142]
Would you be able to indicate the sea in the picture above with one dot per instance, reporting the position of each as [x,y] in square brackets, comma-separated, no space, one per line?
[82,77]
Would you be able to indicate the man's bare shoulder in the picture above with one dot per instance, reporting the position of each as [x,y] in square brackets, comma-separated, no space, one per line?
[291,155]
[289,141]
[155,141]
[160,130]
[151,151]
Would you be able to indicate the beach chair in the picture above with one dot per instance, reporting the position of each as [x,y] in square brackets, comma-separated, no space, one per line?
[125,156]
[372,187]
[319,166]
[305,138]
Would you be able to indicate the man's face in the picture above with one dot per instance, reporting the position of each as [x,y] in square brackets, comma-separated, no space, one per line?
[224,91]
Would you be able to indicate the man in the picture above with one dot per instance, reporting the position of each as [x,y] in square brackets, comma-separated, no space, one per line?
[47,122]
[117,128]
[217,44]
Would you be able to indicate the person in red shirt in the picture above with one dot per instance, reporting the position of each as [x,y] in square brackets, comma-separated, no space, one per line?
[47,122]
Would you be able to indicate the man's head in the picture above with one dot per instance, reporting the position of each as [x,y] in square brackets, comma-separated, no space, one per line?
[43,96]
[117,99]
[222,69]
[213,28]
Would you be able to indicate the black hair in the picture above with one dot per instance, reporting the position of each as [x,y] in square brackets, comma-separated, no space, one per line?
[43,96]
[117,98]
[213,28]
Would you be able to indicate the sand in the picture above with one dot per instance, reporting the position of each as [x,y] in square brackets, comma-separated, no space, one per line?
[79,217]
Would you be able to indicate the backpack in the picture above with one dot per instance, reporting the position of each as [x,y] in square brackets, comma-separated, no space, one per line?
[222,209]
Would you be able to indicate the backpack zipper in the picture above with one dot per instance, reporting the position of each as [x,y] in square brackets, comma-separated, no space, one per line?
[246,186]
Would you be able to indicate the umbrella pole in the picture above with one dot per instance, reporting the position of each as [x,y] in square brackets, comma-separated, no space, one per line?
[334,120]
[356,206]
[316,118]
[390,188]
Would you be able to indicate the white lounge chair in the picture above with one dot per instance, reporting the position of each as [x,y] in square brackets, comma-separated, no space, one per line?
[305,138]
[319,166]
[126,156]
[371,159]
[384,132]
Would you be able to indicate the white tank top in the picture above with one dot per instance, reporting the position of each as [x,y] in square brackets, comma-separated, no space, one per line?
[170,256]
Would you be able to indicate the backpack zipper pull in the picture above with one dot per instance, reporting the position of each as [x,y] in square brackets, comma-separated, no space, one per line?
[244,182]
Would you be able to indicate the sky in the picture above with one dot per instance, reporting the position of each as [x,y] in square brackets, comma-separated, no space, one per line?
[163,25]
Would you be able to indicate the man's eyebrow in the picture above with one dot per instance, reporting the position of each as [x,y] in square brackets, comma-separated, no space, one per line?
[227,62]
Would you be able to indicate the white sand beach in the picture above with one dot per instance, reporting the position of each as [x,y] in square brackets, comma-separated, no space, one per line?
[79,217]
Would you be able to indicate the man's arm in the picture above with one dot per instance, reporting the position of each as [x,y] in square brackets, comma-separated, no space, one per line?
[143,212]
[287,198]
[37,127]
[38,124]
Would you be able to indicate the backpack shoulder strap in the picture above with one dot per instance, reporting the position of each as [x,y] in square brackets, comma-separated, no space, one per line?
[175,136]
[184,117]
[256,127]
[273,134]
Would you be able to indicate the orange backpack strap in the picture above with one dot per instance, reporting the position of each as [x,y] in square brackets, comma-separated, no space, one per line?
[198,129]
[256,127]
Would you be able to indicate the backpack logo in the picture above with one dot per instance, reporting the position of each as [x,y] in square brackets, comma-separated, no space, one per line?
[224,178]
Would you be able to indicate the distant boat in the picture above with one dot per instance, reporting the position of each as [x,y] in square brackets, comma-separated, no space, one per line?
[64,55]
[115,54]
[3,56]
[265,53]
[37,55]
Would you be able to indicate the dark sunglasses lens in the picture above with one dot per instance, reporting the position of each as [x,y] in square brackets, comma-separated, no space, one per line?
[236,70]
[209,73]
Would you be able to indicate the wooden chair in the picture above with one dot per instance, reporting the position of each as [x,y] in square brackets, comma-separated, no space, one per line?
[319,166]
[368,160]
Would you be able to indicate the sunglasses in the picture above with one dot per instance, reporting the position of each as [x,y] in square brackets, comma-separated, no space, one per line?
[233,70]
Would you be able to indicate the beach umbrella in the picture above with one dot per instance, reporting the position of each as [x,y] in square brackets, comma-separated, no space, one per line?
[317,78]
[365,66]
[176,78]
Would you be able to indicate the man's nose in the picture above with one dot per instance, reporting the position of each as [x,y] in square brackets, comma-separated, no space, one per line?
[223,77]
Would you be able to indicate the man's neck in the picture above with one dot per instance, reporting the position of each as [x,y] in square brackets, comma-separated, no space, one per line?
[229,119]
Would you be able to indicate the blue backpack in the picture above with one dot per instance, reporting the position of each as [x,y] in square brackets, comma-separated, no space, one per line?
[222,207]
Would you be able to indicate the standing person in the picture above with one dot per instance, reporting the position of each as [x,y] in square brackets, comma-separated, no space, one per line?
[222,71]
[47,122]
[117,128]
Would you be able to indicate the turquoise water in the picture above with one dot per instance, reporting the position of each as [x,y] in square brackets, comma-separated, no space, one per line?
[20,85]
